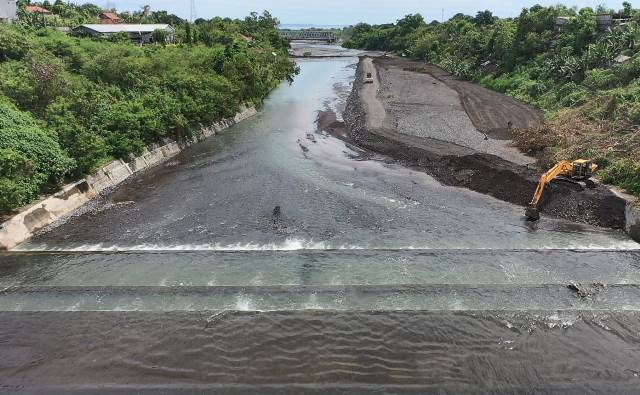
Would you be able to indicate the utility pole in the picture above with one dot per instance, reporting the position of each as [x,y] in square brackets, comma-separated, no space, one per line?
[442,15]
[193,16]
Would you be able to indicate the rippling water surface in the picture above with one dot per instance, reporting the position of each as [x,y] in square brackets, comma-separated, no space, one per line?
[369,277]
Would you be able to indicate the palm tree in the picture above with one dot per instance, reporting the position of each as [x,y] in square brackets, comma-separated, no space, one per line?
[146,10]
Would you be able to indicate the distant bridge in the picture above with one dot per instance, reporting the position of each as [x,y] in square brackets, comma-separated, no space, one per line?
[309,35]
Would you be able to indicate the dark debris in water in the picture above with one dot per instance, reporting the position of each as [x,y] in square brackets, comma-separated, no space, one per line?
[586,291]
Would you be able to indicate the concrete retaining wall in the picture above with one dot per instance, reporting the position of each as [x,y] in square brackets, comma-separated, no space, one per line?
[632,215]
[46,211]
[633,221]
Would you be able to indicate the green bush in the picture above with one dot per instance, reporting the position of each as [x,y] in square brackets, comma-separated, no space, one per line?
[625,173]
[30,158]
[598,79]
[572,95]
[628,71]
[12,43]
[633,111]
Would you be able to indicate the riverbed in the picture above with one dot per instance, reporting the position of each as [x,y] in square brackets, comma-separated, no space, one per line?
[276,258]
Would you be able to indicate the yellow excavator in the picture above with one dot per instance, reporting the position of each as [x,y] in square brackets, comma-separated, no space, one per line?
[575,172]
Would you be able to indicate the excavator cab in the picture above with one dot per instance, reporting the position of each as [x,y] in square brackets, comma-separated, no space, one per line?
[583,169]
[578,170]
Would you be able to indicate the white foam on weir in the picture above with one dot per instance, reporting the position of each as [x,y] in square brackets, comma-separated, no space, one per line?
[310,245]
[564,320]
[244,303]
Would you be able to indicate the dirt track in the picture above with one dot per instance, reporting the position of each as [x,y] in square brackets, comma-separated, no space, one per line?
[491,112]
[376,113]
[418,104]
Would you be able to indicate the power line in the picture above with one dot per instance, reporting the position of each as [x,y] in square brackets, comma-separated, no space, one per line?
[193,16]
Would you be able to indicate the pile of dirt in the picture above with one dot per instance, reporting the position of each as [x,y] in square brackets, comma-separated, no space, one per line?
[458,165]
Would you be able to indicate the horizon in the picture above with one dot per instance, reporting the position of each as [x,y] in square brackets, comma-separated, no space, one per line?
[341,12]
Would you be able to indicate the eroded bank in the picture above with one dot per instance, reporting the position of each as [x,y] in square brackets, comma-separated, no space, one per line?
[387,119]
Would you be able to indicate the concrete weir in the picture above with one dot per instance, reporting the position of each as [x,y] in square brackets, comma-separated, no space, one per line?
[38,215]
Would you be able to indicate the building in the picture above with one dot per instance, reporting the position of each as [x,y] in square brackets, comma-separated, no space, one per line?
[561,22]
[622,59]
[34,9]
[604,22]
[109,18]
[8,10]
[138,33]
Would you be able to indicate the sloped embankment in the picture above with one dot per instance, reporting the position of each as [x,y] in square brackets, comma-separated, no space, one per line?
[457,165]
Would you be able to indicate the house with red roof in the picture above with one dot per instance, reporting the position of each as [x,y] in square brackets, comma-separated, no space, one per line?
[109,18]
[36,9]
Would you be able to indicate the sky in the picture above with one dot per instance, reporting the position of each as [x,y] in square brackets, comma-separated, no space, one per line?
[343,12]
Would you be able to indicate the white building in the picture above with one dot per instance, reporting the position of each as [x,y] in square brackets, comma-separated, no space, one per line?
[138,33]
[8,10]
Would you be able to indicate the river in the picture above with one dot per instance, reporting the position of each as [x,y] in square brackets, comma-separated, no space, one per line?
[274,258]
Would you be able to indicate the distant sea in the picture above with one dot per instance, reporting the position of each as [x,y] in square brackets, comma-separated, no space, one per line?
[300,26]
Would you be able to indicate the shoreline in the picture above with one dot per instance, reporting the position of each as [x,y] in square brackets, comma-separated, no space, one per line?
[465,166]
[71,197]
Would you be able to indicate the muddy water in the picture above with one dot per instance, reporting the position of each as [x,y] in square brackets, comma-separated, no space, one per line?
[275,259]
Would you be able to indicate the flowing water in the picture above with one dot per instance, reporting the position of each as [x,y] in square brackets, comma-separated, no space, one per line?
[274,258]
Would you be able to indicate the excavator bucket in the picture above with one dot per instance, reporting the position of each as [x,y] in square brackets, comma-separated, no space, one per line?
[532,214]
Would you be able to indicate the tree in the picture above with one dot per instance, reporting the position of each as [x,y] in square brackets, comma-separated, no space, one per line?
[484,18]
[30,158]
[160,36]
[188,34]
[59,7]
[461,16]
[627,9]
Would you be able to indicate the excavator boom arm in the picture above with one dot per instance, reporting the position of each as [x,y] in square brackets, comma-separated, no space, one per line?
[564,167]
[580,169]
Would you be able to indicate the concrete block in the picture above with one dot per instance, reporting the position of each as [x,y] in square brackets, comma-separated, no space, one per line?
[632,226]
[170,150]
[632,214]
[35,217]
[110,175]
[118,171]
[154,157]
[138,164]
[245,113]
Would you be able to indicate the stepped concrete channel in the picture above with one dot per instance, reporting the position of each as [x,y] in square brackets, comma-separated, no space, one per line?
[275,258]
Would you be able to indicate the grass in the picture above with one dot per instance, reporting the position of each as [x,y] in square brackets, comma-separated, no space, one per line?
[576,133]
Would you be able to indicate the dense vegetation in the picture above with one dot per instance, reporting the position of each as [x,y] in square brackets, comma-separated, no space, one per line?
[592,100]
[69,104]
